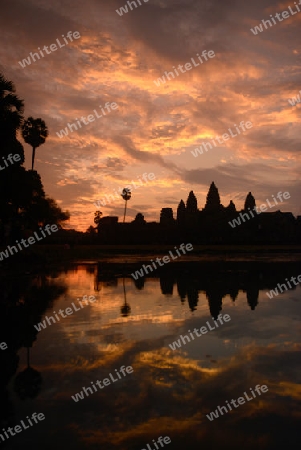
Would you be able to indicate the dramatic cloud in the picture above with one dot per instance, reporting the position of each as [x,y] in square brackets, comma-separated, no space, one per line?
[154,129]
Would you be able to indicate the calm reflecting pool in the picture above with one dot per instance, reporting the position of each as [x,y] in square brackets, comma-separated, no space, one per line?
[148,371]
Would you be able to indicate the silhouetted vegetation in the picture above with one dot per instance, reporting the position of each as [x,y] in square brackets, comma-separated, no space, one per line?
[23,203]
[34,132]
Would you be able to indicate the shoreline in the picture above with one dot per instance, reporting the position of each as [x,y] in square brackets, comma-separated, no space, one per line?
[43,257]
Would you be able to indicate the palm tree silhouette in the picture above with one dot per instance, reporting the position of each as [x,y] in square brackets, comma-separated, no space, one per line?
[34,132]
[126,195]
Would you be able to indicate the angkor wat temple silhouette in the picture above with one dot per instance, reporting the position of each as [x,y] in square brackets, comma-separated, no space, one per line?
[209,225]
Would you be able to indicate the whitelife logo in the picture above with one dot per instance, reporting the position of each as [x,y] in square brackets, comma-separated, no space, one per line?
[245,216]
[53,48]
[166,440]
[86,391]
[31,240]
[68,311]
[17,428]
[242,125]
[166,260]
[3,345]
[151,176]
[293,101]
[90,118]
[285,15]
[124,9]
[241,401]
[275,292]
[11,158]
[203,330]
[187,66]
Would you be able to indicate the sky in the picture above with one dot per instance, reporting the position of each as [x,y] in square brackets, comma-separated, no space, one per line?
[155,128]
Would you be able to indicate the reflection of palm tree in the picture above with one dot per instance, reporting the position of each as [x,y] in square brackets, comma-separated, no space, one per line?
[34,132]
[126,195]
[28,383]
[125,308]
[96,280]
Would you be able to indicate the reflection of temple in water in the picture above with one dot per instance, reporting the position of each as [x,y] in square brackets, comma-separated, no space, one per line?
[216,286]
[215,280]
[217,283]
[166,284]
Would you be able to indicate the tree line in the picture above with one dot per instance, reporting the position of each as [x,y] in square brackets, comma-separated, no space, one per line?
[24,206]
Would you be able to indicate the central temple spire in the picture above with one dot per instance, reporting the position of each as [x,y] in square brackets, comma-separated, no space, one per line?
[213,201]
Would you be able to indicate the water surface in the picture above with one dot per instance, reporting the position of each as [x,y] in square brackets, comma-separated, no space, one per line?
[132,323]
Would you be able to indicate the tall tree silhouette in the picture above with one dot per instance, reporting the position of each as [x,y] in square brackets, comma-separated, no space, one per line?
[126,195]
[34,132]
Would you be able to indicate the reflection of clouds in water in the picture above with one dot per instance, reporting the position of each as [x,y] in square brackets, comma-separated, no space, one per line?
[158,318]
[171,392]
[174,393]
